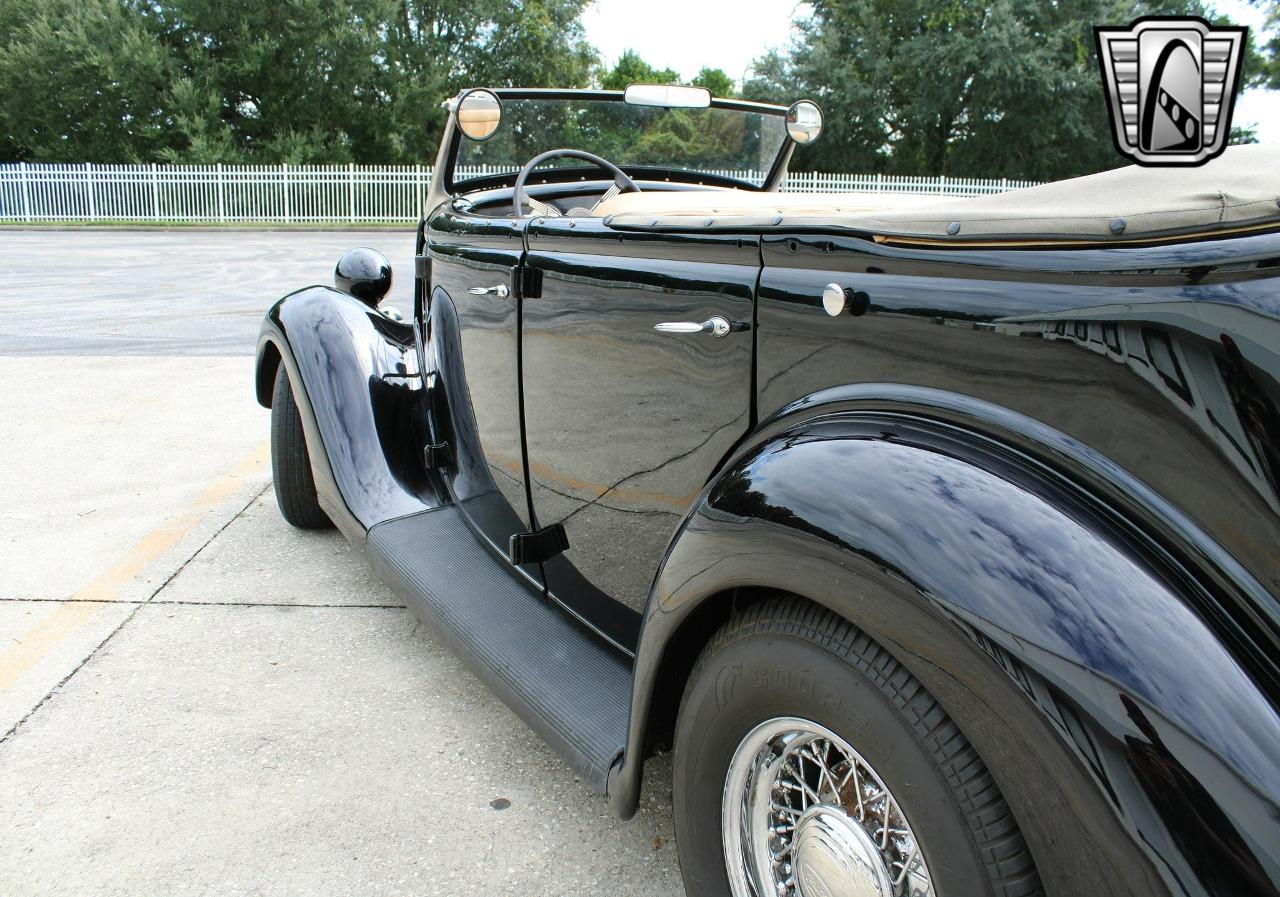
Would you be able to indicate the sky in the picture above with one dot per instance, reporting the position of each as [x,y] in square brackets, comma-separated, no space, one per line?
[686,35]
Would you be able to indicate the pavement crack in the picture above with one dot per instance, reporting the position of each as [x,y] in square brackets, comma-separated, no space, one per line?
[78,600]
[110,635]
[65,679]
[280,604]
[195,554]
[183,601]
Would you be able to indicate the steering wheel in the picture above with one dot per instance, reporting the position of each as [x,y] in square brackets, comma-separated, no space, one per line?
[621,183]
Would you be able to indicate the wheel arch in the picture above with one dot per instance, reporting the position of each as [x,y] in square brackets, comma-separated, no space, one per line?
[1076,714]
[356,379]
[264,375]
[682,648]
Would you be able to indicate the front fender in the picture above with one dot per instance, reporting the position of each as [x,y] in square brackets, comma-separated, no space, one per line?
[1137,753]
[357,381]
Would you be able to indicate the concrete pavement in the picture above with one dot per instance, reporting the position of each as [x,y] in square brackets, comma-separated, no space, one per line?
[195,698]
[179,292]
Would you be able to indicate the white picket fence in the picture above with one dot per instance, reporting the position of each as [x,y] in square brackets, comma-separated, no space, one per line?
[314,193]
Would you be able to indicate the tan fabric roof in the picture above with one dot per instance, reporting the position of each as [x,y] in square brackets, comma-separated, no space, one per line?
[1240,186]
[715,201]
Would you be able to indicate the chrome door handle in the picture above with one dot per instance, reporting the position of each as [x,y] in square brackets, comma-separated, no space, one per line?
[502,291]
[715,325]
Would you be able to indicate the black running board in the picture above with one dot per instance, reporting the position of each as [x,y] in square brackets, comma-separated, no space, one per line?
[567,686]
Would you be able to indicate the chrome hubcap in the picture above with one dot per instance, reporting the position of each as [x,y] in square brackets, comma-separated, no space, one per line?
[804,815]
[835,856]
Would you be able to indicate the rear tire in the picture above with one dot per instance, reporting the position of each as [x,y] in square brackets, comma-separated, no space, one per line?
[787,699]
[290,463]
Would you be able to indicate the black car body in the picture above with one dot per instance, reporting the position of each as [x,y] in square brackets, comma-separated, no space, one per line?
[1034,454]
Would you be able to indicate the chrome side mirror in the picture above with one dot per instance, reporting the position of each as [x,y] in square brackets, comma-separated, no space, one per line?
[804,122]
[479,114]
[363,273]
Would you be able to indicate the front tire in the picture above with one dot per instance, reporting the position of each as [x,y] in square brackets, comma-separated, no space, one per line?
[798,739]
[290,464]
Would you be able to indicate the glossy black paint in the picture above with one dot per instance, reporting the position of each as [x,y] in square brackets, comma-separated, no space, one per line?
[1084,570]
[622,422]
[473,346]
[363,273]
[1164,363]
[1046,479]
[1035,615]
[357,382]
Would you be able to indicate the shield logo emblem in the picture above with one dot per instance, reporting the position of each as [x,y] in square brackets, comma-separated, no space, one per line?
[1171,85]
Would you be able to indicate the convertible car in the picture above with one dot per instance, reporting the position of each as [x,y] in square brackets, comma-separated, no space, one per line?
[938,538]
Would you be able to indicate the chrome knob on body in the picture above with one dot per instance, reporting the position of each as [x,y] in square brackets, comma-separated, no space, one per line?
[502,291]
[836,300]
[833,299]
[715,325]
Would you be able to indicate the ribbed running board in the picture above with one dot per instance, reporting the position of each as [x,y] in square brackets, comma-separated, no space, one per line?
[571,690]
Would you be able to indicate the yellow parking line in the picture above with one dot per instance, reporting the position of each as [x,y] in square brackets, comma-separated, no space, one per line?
[38,641]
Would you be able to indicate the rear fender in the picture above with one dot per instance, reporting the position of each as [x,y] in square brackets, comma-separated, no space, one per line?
[357,381]
[1118,724]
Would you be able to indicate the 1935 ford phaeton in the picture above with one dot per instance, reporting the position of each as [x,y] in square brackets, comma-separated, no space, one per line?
[941,538]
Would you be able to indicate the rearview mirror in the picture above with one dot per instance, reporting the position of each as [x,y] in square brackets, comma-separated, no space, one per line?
[479,113]
[804,122]
[669,96]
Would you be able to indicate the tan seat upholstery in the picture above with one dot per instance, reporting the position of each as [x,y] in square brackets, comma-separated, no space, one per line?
[479,123]
[711,202]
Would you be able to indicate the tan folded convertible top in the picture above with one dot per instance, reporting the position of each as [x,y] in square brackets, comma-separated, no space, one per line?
[1239,188]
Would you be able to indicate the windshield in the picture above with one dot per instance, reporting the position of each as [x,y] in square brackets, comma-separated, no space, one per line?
[731,143]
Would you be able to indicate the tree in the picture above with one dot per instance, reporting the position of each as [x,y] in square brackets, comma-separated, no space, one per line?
[1268,69]
[436,47]
[631,69]
[80,80]
[1007,88]
[688,136]
[716,81]
[342,80]
[265,80]
[287,81]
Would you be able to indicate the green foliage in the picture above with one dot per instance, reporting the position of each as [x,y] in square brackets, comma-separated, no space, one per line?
[1002,88]
[1009,88]
[436,47]
[289,81]
[1242,134]
[694,137]
[80,80]
[678,136]
[631,69]
[265,80]
[716,81]
[1268,58]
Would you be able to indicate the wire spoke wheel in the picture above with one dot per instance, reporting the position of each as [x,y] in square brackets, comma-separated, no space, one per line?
[804,814]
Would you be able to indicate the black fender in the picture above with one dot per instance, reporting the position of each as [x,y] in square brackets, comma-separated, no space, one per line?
[358,383]
[1102,676]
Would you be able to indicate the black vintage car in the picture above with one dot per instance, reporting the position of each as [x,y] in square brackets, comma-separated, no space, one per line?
[939,538]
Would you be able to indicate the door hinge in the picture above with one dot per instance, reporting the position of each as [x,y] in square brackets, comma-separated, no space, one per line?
[422,266]
[530,283]
[536,547]
[437,455]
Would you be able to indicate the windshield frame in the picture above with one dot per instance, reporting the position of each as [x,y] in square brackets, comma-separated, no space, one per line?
[642,172]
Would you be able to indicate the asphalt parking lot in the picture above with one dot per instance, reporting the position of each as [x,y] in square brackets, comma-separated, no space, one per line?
[195,698]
